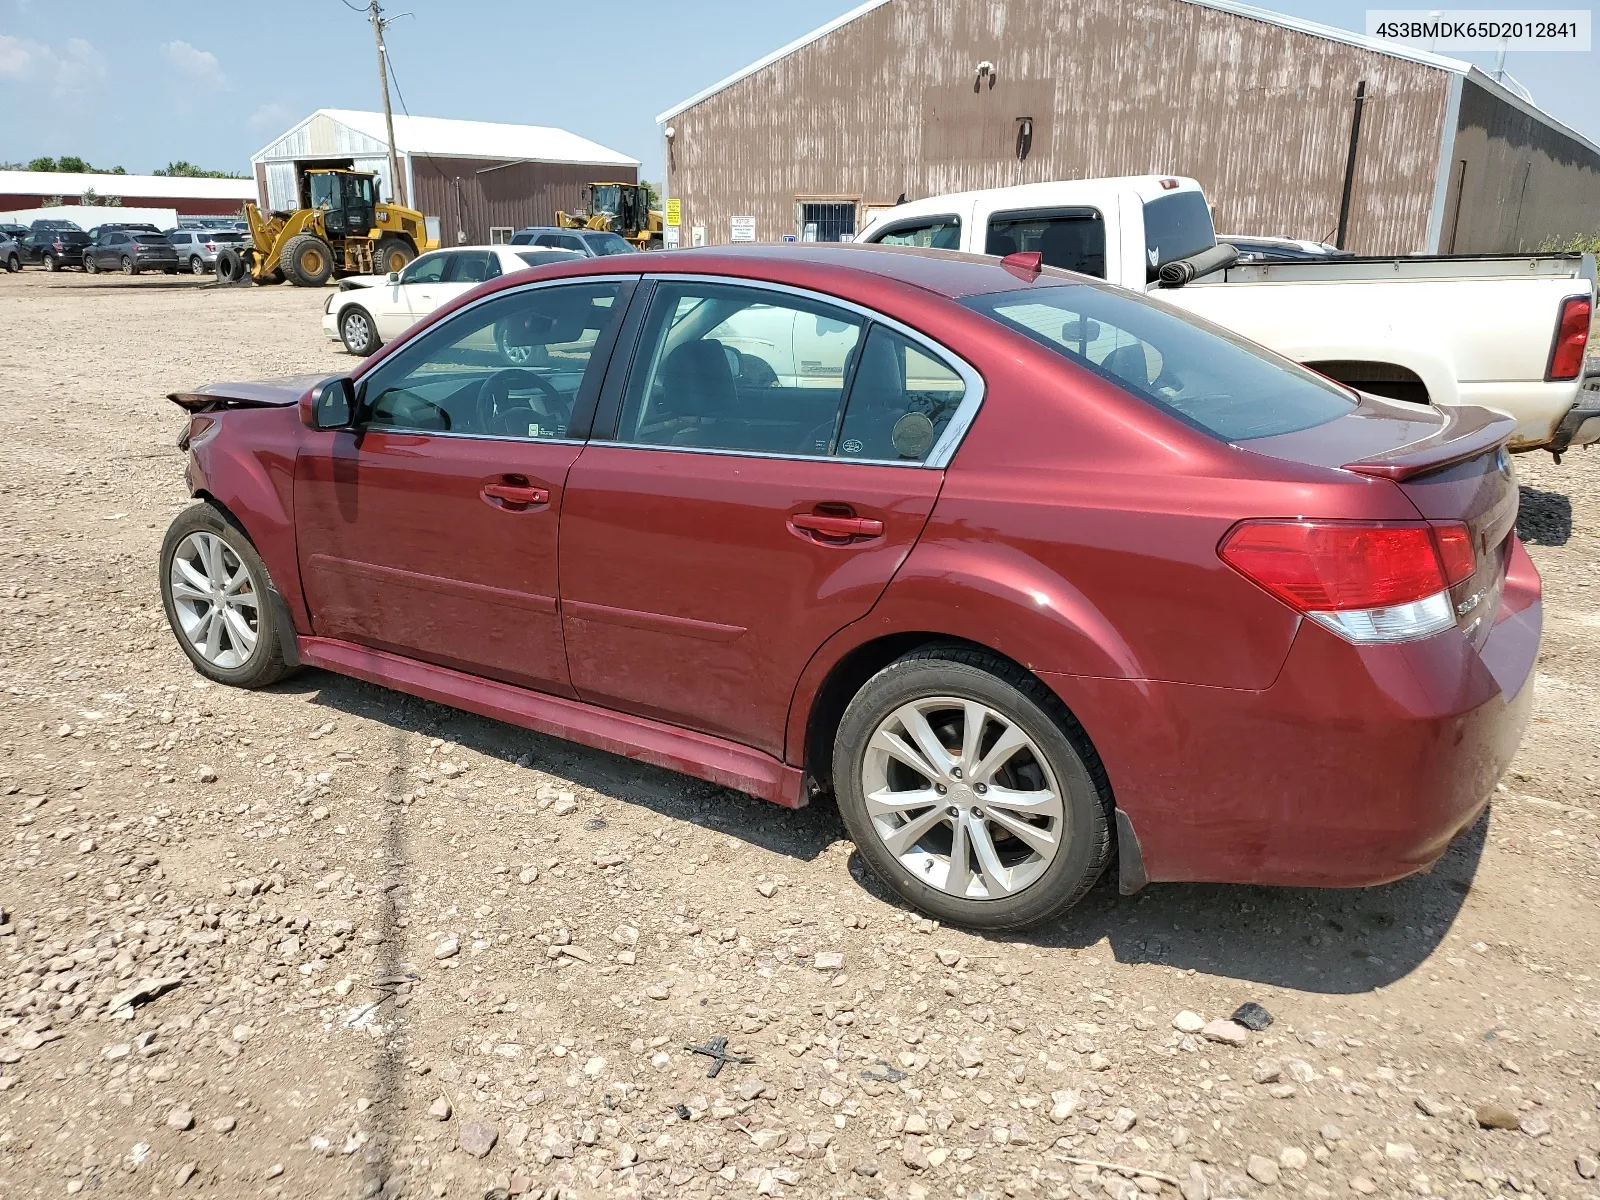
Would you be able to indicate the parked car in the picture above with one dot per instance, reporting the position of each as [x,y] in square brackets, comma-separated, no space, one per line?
[12,232]
[368,310]
[197,249]
[10,252]
[590,242]
[1020,607]
[54,244]
[1507,331]
[130,251]
[1281,249]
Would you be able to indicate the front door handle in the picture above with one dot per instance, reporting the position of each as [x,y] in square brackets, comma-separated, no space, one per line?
[827,527]
[514,496]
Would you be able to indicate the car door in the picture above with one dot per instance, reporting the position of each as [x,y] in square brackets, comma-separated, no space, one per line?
[423,283]
[390,302]
[429,528]
[467,269]
[729,516]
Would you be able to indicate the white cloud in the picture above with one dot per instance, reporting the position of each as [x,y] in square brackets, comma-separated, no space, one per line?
[196,65]
[80,68]
[274,115]
[16,56]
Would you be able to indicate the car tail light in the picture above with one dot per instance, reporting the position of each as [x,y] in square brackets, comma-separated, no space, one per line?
[57,246]
[1365,581]
[1572,335]
[211,245]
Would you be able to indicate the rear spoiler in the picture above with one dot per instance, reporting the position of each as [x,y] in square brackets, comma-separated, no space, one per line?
[1467,432]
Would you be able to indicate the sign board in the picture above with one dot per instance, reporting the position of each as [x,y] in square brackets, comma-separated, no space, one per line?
[670,242]
[697,236]
[789,237]
[674,211]
[741,229]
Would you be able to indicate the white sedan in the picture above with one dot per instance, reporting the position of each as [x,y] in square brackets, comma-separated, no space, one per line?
[368,310]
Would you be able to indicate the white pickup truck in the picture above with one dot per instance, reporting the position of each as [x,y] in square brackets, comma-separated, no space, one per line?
[1504,331]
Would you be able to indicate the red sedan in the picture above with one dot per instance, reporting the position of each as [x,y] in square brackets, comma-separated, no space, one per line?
[1027,571]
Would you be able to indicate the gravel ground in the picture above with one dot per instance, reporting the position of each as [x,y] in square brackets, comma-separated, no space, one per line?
[327,940]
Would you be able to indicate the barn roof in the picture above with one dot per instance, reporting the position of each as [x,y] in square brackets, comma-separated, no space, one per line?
[448,138]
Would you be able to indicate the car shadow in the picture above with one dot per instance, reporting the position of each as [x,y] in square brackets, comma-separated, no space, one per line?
[1544,518]
[802,834]
[1321,940]
[153,282]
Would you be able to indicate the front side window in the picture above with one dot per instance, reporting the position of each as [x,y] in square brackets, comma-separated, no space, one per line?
[1206,376]
[325,191]
[510,367]
[938,233]
[1072,239]
[737,368]
[427,269]
[901,400]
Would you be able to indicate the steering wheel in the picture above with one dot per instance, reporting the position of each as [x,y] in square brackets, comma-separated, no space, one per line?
[495,394]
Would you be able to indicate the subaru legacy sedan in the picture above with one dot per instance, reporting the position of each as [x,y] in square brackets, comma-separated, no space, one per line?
[1032,576]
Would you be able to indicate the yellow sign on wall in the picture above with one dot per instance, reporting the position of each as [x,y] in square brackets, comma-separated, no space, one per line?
[674,211]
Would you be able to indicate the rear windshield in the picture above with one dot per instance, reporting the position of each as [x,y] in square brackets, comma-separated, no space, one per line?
[1207,377]
[144,235]
[609,243]
[1176,226]
[541,258]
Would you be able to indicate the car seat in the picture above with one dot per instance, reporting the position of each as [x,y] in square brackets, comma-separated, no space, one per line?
[697,382]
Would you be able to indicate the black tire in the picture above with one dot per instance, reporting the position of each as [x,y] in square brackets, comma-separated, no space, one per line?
[129,267]
[197,265]
[1085,844]
[230,266]
[90,265]
[307,261]
[656,242]
[358,331]
[52,263]
[14,264]
[392,253]
[265,665]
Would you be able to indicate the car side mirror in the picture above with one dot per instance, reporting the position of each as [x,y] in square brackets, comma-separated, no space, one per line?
[394,276]
[333,405]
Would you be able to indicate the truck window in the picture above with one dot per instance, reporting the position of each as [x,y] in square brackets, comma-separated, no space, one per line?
[939,233]
[1072,239]
[1205,376]
[1175,226]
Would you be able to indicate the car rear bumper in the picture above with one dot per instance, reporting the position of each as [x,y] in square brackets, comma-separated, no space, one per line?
[1581,425]
[1358,766]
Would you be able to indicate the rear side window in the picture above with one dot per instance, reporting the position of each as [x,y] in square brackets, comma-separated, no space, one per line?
[901,400]
[471,266]
[1205,376]
[937,233]
[1176,226]
[1073,239]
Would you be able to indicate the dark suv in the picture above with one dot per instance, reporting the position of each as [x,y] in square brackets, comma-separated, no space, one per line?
[56,244]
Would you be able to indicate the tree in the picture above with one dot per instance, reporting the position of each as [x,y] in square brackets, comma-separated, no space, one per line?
[654,191]
[71,162]
[189,171]
[42,164]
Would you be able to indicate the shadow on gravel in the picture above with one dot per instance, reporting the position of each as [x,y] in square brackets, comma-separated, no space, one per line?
[801,834]
[151,283]
[1544,518]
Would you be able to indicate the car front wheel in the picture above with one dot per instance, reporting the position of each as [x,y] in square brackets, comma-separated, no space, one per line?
[357,331]
[971,791]
[216,593]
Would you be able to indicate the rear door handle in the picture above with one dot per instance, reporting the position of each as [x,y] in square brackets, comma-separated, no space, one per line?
[510,495]
[822,526]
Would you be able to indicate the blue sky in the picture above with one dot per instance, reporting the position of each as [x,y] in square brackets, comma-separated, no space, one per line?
[143,82]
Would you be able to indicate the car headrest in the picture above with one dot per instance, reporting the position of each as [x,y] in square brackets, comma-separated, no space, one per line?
[696,381]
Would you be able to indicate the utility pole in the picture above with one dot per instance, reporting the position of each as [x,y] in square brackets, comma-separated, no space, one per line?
[397,183]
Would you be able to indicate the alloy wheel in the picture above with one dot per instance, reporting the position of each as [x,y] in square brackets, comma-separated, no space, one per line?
[216,600]
[962,797]
[197,265]
[357,332]
[127,265]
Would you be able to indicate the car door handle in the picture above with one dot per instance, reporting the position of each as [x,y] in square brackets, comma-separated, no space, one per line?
[514,496]
[828,527]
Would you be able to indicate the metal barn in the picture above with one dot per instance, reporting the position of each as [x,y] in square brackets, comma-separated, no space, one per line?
[479,179]
[911,98]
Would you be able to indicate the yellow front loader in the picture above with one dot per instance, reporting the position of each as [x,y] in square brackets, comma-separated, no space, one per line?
[619,208]
[339,229]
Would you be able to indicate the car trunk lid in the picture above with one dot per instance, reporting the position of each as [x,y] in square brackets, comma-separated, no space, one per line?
[265,393]
[1451,463]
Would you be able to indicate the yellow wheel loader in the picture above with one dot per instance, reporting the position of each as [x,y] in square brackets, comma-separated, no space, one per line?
[619,208]
[340,228]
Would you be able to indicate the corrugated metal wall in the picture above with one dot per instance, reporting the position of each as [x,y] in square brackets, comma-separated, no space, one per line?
[465,197]
[891,103]
[320,140]
[1515,182]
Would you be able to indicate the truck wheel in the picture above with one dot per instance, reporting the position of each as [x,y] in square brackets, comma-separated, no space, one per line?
[230,266]
[393,253]
[217,597]
[307,260]
[656,242]
[971,791]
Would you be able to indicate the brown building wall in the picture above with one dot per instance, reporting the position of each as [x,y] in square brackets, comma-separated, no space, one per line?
[886,104]
[1515,182]
[469,199]
[186,207]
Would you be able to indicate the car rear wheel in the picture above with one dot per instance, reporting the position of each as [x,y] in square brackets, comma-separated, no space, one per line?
[971,791]
[356,329]
[197,265]
[14,264]
[52,263]
[216,593]
[129,267]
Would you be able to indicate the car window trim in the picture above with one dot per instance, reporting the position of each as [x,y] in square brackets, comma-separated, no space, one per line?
[914,223]
[937,458]
[583,404]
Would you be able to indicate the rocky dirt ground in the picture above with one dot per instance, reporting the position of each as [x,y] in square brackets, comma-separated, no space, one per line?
[329,941]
